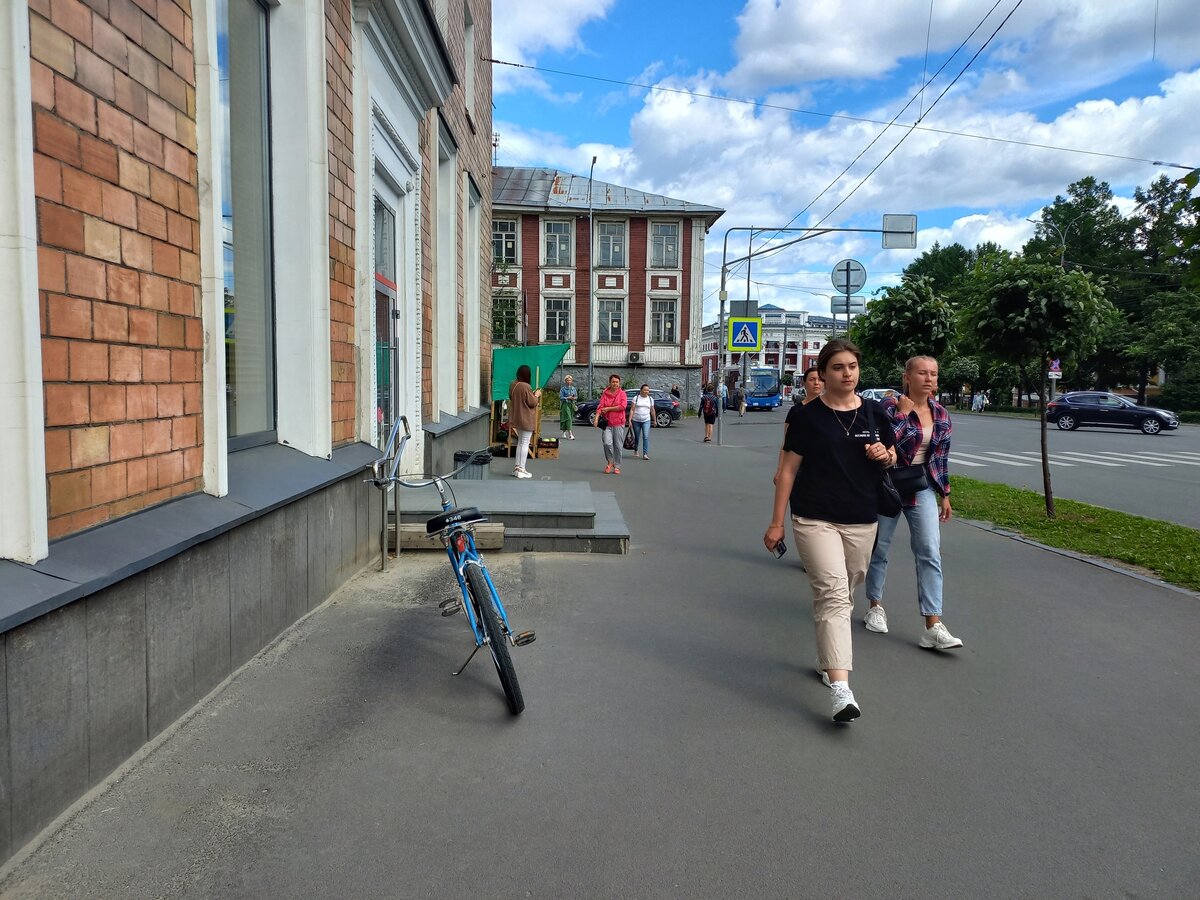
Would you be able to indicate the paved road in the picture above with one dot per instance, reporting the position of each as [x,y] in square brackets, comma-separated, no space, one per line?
[676,742]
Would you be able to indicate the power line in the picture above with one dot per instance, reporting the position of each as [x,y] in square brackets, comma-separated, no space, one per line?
[825,115]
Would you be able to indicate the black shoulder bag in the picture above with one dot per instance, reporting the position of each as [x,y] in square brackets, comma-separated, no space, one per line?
[888,501]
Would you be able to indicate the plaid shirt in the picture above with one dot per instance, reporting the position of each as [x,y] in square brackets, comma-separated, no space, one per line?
[908,442]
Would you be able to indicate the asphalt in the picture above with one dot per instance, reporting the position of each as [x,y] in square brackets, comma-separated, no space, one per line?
[676,741]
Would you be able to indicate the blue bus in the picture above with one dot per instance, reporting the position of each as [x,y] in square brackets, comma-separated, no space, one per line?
[763,388]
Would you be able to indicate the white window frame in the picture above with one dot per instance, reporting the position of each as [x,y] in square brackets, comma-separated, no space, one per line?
[604,245]
[562,314]
[658,250]
[504,237]
[563,243]
[603,328]
[655,321]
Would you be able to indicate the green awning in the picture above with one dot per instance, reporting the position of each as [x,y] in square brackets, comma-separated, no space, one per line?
[542,360]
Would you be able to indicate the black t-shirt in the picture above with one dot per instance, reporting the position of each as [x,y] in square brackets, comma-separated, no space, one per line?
[836,482]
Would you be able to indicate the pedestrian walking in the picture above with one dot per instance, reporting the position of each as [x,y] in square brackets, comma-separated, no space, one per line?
[830,475]
[568,398]
[675,392]
[523,403]
[611,411]
[709,407]
[922,430]
[642,420]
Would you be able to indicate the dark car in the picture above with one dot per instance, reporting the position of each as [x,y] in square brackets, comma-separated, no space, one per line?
[1076,408]
[666,408]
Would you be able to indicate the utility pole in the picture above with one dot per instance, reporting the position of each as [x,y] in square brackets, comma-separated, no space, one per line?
[591,291]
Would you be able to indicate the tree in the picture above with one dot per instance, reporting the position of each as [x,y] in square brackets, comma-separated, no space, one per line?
[905,320]
[1027,313]
[959,371]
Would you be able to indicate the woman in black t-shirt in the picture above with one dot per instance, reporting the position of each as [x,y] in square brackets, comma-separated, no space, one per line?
[833,452]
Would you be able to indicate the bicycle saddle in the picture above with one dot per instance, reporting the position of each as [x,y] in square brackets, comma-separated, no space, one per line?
[461,515]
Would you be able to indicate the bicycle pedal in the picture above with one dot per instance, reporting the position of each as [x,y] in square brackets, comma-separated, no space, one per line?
[450,601]
[450,608]
[525,637]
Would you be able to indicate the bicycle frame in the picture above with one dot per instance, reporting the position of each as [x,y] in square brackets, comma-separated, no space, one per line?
[460,560]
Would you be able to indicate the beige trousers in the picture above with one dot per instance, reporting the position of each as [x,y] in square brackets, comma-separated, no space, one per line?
[836,558]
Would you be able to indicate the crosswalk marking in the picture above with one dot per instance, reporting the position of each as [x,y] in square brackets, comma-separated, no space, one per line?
[1053,462]
[1133,460]
[956,460]
[988,459]
[1173,460]
[1084,458]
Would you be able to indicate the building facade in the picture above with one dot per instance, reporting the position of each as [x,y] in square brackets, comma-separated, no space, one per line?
[238,239]
[616,273]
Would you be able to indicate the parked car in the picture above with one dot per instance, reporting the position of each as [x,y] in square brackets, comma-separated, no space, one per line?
[878,393]
[666,407]
[1076,408]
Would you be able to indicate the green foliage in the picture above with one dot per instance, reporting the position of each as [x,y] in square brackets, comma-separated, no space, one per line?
[1181,395]
[1170,551]
[1024,312]
[905,320]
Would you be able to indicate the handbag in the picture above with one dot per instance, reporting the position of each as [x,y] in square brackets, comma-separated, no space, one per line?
[909,479]
[597,421]
[887,498]
[630,439]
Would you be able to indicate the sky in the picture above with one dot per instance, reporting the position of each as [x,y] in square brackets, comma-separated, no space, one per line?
[778,111]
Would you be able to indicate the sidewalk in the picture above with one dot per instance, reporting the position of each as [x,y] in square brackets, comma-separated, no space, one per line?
[676,742]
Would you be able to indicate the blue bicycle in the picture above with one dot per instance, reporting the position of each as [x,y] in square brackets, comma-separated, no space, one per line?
[478,595]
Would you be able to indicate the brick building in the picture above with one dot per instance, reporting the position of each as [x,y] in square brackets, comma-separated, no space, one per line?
[227,270]
[629,301]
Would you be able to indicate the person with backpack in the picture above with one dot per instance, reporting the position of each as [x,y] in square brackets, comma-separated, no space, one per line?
[708,411]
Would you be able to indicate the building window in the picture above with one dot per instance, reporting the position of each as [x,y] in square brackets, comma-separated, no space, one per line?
[612,244]
[612,315]
[504,319]
[558,320]
[246,216]
[504,241]
[664,246]
[662,321]
[558,243]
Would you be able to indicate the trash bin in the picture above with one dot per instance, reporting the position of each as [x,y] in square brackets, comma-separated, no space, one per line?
[479,467]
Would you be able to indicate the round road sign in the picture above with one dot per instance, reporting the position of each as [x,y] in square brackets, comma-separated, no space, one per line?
[849,276]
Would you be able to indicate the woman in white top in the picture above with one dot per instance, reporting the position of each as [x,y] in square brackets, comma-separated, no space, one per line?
[642,406]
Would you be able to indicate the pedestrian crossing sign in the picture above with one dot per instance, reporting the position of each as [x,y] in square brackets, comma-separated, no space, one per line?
[744,334]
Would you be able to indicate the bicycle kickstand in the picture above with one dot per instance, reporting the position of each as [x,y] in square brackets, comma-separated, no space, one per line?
[463,667]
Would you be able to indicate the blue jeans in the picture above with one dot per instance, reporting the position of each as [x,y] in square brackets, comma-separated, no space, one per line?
[925,538]
[641,437]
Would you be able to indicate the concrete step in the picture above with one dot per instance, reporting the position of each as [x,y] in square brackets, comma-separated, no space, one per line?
[537,515]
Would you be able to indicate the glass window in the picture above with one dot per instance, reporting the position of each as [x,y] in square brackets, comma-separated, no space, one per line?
[612,315]
[558,243]
[664,245]
[612,243]
[504,241]
[504,319]
[662,321]
[558,319]
[246,218]
[385,241]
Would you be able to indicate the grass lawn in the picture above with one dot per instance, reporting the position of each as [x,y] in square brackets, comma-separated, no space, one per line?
[1171,552]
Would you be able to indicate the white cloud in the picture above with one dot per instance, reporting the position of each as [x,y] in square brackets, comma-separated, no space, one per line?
[521,30]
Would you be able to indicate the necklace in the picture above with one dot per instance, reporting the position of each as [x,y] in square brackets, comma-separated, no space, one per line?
[846,428]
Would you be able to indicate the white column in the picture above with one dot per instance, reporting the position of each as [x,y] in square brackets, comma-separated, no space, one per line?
[300,214]
[23,531]
[212,252]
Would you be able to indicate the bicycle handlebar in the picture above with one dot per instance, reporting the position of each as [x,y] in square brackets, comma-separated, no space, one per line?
[383,474]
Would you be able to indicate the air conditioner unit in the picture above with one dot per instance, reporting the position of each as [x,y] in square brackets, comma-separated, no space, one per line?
[634,357]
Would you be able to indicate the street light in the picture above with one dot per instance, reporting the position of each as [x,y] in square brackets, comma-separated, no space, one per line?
[591,290]
[1061,234]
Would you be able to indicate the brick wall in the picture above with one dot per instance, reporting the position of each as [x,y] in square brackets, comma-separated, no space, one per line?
[531,275]
[339,105]
[118,254]
[635,328]
[472,130]
[583,288]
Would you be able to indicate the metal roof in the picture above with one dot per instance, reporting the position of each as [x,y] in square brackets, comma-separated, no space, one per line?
[550,189]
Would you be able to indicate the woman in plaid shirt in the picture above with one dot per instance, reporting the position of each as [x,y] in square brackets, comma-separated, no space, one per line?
[922,428]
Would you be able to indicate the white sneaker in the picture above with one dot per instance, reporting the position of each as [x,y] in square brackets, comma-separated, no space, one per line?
[876,620]
[521,473]
[844,707]
[936,637]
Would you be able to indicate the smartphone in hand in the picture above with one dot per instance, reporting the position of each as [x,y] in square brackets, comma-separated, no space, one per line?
[780,549]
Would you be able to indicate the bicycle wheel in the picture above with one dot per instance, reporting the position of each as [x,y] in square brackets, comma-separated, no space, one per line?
[497,642]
